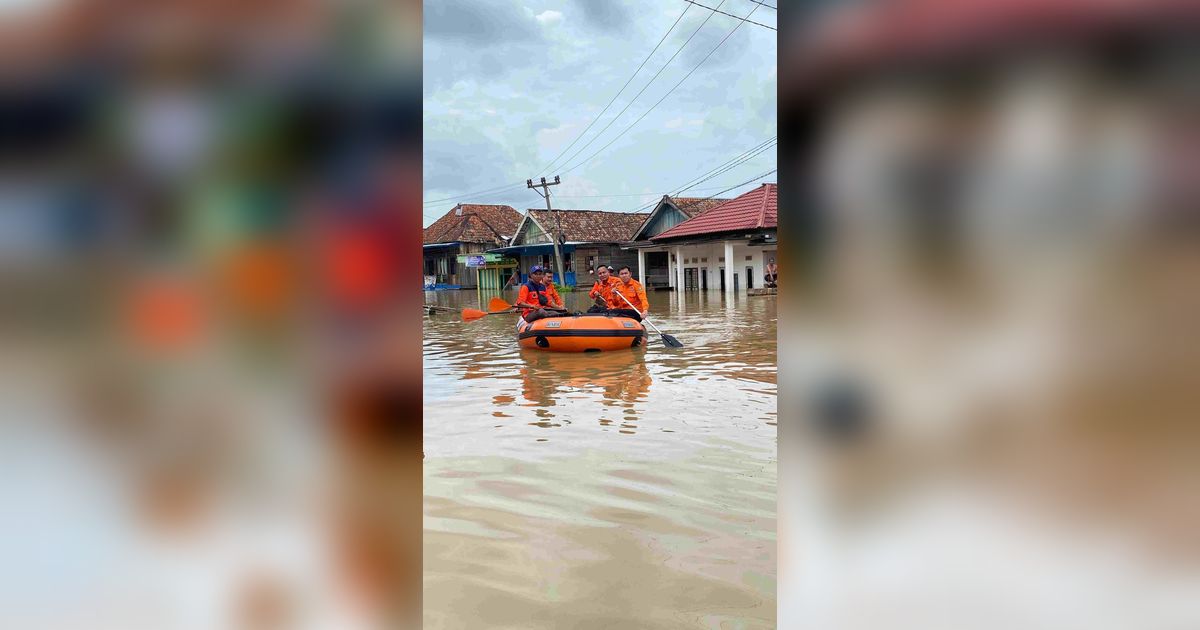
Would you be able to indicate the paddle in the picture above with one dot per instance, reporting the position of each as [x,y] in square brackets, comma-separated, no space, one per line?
[498,303]
[470,314]
[668,340]
[496,306]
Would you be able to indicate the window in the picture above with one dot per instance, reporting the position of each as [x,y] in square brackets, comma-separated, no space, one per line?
[704,260]
[750,258]
[453,265]
[721,259]
[567,262]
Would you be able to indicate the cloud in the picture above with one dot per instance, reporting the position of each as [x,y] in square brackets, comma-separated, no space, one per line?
[549,17]
[607,15]
[452,152]
[482,24]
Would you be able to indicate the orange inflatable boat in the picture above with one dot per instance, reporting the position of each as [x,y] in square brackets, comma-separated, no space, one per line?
[581,333]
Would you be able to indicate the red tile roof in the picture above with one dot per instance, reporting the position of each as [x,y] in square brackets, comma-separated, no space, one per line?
[473,223]
[754,210]
[595,226]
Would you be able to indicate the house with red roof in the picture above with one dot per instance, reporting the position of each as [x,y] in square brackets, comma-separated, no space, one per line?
[654,260]
[454,246]
[726,246]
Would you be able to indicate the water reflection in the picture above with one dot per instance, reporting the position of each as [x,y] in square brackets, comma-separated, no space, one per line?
[549,378]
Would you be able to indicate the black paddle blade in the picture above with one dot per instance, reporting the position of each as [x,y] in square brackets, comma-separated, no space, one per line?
[670,341]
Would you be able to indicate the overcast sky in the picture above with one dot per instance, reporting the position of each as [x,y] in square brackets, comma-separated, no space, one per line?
[508,84]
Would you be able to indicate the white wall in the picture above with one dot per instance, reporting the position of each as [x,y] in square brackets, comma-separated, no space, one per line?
[714,252]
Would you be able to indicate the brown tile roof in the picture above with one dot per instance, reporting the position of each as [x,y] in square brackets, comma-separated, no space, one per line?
[596,226]
[476,223]
[696,206]
[756,209]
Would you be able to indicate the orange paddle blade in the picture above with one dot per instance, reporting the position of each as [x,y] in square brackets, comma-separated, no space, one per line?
[498,304]
[469,314]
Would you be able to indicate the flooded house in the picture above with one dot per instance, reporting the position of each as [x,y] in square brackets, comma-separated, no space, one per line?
[654,262]
[454,246]
[588,238]
[725,245]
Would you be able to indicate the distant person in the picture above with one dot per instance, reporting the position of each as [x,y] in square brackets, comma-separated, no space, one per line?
[514,279]
[772,274]
[601,292]
[634,292]
[538,298]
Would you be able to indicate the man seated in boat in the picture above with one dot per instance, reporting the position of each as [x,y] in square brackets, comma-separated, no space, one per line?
[634,293]
[538,297]
[602,290]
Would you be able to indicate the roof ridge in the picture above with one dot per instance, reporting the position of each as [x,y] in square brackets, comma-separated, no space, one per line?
[762,210]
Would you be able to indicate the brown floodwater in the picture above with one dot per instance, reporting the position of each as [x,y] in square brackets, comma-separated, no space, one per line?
[625,489]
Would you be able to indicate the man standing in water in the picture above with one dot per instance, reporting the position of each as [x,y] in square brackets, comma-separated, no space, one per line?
[538,298]
[633,292]
[772,274]
[602,290]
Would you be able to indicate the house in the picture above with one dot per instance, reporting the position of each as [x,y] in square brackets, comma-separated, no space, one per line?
[726,246]
[654,259]
[589,238]
[454,246]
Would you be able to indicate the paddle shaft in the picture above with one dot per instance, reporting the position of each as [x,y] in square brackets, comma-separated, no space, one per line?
[652,326]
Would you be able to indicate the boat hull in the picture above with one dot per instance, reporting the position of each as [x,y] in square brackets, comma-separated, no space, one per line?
[581,333]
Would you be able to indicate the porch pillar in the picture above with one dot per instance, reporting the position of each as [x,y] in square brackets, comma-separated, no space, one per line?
[729,262]
[642,266]
[678,268]
[670,270]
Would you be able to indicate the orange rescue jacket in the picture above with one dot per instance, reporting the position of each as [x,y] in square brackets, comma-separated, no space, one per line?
[634,292]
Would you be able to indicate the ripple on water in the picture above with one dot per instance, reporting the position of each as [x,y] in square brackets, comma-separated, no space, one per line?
[619,489]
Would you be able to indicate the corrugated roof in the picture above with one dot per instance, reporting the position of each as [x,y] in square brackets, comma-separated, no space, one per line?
[473,223]
[756,209]
[597,226]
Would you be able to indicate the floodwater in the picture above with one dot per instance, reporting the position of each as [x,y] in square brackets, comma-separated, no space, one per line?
[624,489]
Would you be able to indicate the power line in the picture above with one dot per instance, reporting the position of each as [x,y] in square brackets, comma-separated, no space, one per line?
[734,16]
[737,160]
[646,194]
[635,96]
[748,181]
[664,97]
[473,193]
[542,170]
[764,5]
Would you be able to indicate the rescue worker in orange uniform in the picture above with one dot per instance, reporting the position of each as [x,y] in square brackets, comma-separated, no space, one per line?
[602,290]
[634,292]
[538,297]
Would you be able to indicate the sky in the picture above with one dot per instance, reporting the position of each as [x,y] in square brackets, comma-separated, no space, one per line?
[509,84]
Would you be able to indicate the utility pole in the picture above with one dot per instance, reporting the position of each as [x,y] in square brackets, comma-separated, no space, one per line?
[545,193]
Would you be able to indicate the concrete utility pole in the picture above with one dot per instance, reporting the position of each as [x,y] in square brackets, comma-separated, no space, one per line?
[545,186]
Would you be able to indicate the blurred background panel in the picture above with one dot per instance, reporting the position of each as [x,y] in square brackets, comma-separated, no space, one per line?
[993,356]
[210,408]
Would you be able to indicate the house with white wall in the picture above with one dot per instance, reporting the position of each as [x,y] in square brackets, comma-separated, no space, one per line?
[655,259]
[725,247]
